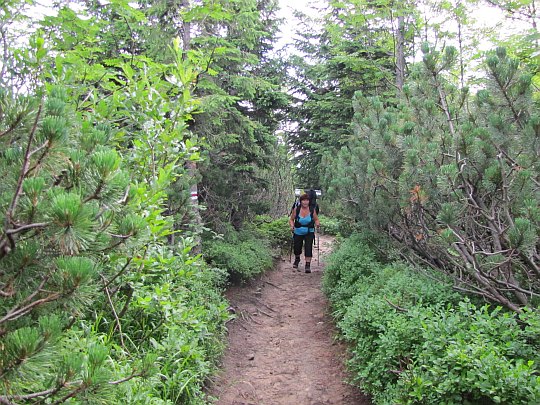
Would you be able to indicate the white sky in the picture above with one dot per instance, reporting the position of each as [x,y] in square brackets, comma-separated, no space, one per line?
[485,16]
[287,10]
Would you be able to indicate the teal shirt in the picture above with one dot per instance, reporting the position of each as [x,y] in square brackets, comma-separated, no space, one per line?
[304,230]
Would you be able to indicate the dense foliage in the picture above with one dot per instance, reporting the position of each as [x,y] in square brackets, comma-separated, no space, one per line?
[92,294]
[460,188]
[118,118]
[243,254]
[415,341]
[351,49]
[101,299]
[447,170]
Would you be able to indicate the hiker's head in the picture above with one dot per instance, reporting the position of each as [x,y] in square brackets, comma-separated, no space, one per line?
[304,197]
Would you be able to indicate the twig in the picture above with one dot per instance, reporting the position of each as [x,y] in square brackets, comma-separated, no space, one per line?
[114,313]
[128,261]
[265,313]
[126,378]
[400,309]
[273,285]
[262,303]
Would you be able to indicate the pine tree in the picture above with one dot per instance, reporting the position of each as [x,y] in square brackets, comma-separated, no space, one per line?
[64,208]
[452,176]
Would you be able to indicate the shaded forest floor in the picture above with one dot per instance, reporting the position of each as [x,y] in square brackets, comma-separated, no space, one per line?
[281,346]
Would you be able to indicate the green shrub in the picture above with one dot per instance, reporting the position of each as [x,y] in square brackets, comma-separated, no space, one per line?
[243,255]
[329,225]
[415,341]
[276,231]
[471,355]
[351,262]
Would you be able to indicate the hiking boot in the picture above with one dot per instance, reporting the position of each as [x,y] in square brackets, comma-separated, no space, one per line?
[295,264]
[308,268]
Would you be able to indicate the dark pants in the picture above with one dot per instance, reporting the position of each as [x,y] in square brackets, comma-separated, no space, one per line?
[300,240]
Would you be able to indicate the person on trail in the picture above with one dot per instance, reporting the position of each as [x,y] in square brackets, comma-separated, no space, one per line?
[303,221]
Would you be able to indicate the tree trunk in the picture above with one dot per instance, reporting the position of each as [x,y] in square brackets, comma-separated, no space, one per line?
[190,165]
[400,54]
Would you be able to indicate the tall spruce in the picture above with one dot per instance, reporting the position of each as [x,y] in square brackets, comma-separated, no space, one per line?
[358,49]
[239,94]
[241,102]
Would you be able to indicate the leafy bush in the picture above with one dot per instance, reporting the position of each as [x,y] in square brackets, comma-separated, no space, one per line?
[351,262]
[329,225]
[470,355]
[178,305]
[414,340]
[243,255]
[276,231]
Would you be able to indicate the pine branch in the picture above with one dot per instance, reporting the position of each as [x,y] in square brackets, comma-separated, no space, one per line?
[504,87]
[72,394]
[13,125]
[22,309]
[31,396]
[4,249]
[26,227]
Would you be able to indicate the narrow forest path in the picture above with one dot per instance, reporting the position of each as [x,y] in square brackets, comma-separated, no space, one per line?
[282,349]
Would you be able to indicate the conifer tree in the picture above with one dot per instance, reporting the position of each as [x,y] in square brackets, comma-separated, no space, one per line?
[357,50]
[452,176]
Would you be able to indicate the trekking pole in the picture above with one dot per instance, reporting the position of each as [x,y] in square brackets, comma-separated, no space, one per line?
[316,242]
[319,247]
[290,251]
[318,250]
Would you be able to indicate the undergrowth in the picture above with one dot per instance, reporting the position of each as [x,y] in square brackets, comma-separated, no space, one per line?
[414,340]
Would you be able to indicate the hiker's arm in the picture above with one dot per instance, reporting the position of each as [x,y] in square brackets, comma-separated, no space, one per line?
[316,219]
[291,221]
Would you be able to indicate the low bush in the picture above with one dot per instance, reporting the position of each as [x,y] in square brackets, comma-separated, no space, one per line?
[276,231]
[242,254]
[183,316]
[473,355]
[414,340]
[329,225]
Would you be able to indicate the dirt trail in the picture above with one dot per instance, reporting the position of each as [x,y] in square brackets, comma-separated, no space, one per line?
[281,346]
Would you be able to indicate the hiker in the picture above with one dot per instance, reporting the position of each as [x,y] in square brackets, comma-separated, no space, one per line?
[303,221]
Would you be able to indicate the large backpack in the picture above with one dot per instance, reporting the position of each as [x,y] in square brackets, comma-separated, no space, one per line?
[312,201]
